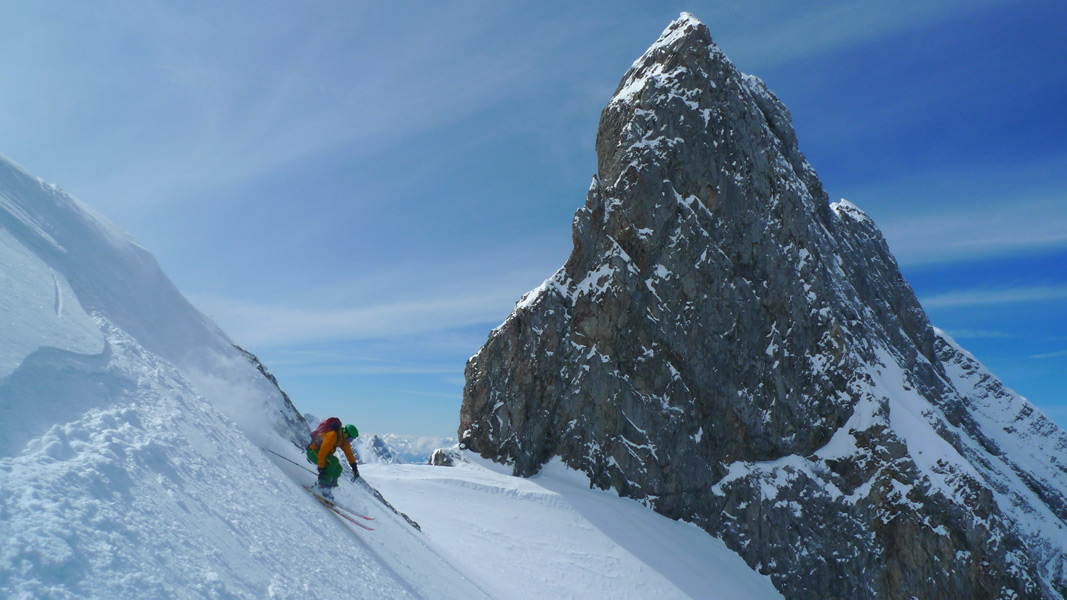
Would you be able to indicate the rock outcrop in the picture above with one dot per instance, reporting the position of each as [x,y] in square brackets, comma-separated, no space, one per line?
[732,349]
[442,458]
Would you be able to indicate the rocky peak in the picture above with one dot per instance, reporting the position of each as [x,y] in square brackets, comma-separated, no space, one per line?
[730,348]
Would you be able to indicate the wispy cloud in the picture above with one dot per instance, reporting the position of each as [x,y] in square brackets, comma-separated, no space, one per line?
[258,325]
[1059,354]
[990,297]
[452,396]
[962,334]
[972,212]
[1019,226]
[770,33]
[208,102]
[335,370]
[316,363]
[395,300]
[303,356]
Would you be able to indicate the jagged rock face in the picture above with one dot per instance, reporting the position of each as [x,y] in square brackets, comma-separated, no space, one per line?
[729,347]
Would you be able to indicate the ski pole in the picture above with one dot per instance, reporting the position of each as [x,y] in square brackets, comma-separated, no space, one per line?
[292,461]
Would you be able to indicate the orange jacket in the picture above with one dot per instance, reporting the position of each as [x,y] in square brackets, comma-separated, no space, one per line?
[330,443]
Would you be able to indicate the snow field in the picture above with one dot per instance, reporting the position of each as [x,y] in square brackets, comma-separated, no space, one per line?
[552,537]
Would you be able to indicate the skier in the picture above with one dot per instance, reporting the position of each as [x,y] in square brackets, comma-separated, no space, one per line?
[326,438]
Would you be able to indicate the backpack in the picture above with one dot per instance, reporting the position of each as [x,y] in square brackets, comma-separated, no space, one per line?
[331,424]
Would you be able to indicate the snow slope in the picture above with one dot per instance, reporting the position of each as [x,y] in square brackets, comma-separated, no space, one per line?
[130,436]
[64,270]
[551,536]
[157,495]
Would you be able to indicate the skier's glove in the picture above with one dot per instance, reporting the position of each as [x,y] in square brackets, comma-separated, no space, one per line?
[355,471]
[322,476]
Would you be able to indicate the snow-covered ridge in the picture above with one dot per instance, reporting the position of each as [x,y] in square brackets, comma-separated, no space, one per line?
[844,208]
[19,199]
[65,269]
[1029,471]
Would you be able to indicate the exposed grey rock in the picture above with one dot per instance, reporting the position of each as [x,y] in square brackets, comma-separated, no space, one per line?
[730,348]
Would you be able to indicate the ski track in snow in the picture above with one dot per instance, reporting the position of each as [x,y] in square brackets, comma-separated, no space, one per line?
[59,296]
[37,308]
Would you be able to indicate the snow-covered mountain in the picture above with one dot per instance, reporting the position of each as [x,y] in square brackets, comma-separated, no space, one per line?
[132,463]
[732,349]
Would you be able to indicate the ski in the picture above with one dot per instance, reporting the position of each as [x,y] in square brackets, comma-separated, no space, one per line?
[343,515]
[334,504]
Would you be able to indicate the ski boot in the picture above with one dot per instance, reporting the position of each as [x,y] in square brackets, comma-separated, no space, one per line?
[325,492]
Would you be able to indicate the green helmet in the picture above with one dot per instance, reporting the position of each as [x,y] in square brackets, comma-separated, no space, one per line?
[351,432]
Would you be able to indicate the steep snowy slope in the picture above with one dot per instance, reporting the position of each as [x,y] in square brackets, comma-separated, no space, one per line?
[155,494]
[68,273]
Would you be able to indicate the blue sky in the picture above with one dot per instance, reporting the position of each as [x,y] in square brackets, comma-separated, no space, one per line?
[359,192]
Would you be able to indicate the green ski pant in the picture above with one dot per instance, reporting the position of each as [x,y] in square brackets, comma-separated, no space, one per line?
[333,468]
